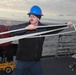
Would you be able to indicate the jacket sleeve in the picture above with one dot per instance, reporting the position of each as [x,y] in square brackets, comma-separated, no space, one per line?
[15,27]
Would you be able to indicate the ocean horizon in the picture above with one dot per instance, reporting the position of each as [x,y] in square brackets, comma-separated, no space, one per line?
[43,20]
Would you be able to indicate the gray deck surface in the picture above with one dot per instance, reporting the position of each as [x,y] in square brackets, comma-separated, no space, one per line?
[55,66]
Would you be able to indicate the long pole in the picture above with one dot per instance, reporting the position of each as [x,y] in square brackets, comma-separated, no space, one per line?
[27,29]
[4,40]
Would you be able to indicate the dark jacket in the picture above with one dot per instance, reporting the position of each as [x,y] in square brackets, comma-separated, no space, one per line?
[29,49]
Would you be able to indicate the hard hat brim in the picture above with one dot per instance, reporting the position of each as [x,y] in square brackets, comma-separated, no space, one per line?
[35,14]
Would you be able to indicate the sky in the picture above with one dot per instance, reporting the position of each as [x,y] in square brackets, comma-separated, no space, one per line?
[54,9]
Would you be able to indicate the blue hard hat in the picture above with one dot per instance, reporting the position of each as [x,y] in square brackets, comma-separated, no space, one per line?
[35,10]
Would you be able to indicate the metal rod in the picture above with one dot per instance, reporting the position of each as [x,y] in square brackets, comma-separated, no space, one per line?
[74,27]
[52,34]
[27,29]
[4,40]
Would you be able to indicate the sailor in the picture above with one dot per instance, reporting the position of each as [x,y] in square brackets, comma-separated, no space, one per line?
[29,50]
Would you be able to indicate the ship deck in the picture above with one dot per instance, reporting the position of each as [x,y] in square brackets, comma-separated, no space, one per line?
[55,66]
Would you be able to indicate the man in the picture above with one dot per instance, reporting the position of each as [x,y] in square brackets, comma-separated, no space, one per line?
[30,49]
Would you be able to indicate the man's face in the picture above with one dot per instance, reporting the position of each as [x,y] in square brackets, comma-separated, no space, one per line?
[33,19]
